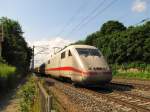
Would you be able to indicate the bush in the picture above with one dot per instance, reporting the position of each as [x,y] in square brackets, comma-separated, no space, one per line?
[27,95]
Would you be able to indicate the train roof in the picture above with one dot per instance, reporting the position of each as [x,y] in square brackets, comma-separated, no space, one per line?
[74,46]
[82,46]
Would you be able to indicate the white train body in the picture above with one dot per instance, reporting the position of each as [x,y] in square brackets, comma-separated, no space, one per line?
[81,63]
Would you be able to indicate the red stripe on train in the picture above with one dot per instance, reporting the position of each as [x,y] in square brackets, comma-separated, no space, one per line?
[66,69]
[75,70]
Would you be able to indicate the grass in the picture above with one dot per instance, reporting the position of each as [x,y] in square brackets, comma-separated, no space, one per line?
[132,71]
[27,95]
[36,104]
[6,70]
[136,75]
[7,77]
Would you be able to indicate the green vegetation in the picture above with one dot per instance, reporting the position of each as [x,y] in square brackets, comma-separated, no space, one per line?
[129,46]
[133,70]
[15,50]
[6,70]
[139,75]
[2,60]
[16,55]
[27,95]
[7,77]
[120,44]
[15,62]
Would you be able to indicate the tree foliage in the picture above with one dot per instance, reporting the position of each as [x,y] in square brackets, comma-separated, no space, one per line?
[80,42]
[91,39]
[14,48]
[111,27]
[122,45]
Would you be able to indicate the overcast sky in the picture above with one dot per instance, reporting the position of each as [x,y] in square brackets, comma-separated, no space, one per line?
[45,19]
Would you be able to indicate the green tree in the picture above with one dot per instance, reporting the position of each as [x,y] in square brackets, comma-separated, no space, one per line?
[122,45]
[91,39]
[112,26]
[15,50]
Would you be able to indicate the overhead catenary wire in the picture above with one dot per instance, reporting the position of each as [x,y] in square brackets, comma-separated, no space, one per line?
[72,18]
[92,17]
[142,21]
[88,16]
[146,18]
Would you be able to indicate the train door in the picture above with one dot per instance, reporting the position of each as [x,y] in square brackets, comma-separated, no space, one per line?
[59,63]
[66,63]
[62,69]
[70,63]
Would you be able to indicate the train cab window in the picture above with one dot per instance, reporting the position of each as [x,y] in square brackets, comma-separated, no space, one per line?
[88,52]
[62,55]
[69,53]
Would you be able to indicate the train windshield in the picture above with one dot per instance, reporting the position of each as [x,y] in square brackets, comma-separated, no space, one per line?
[88,52]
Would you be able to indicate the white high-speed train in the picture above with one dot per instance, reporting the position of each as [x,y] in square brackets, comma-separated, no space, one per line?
[82,64]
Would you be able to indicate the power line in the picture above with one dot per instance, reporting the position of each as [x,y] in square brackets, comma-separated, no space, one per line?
[72,18]
[142,21]
[92,12]
[124,16]
[93,17]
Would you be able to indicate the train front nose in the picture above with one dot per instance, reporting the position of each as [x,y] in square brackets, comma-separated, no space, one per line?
[97,77]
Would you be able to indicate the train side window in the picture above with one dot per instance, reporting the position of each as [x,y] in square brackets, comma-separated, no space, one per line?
[62,55]
[48,61]
[69,53]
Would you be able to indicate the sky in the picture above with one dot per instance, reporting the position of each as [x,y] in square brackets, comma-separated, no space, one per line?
[47,21]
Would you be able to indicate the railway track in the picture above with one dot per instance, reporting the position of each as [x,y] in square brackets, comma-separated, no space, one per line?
[132,98]
[95,100]
[132,85]
[136,102]
[133,101]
